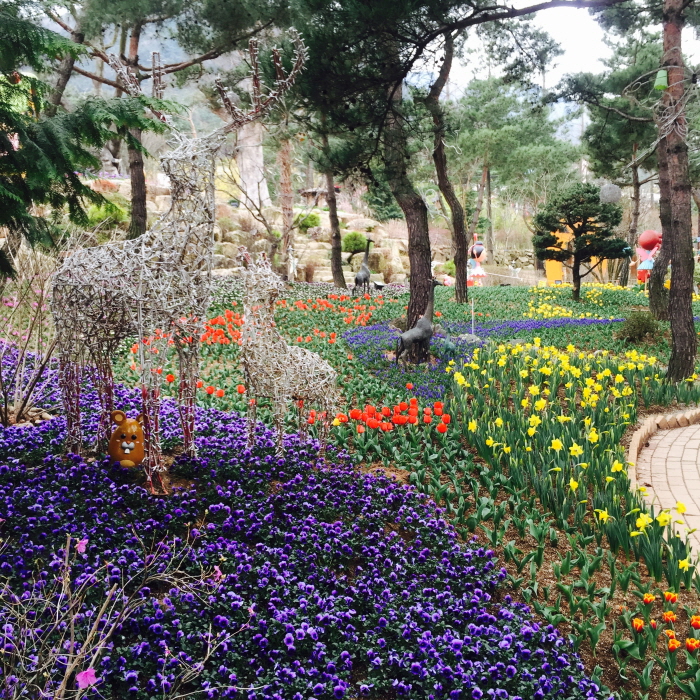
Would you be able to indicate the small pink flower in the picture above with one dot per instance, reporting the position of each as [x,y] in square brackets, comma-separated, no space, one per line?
[86,678]
[80,547]
[217,574]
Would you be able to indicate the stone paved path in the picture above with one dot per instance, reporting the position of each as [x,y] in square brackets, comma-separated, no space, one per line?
[670,469]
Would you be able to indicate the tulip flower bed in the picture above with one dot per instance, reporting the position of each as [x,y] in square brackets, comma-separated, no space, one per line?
[258,578]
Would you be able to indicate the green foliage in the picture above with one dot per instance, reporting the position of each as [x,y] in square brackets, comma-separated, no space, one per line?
[381,202]
[638,326]
[354,242]
[306,221]
[53,152]
[500,125]
[23,43]
[612,140]
[106,215]
[449,268]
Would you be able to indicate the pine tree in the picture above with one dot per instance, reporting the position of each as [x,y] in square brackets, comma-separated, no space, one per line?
[591,225]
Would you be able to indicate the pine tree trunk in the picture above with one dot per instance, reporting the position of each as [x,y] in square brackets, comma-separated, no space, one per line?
[576,279]
[416,212]
[634,224]
[284,157]
[139,215]
[65,70]
[336,242]
[139,218]
[658,294]
[459,232]
[490,246]
[684,347]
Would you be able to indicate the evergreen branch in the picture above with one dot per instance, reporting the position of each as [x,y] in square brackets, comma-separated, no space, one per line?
[619,112]
[98,78]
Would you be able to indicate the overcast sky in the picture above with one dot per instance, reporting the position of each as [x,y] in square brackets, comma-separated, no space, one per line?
[582,41]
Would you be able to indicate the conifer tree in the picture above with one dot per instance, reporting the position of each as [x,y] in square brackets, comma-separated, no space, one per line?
[590,226]
[43,158]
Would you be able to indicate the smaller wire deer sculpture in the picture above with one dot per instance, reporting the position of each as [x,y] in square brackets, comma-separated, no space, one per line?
[273,369]
[156,288]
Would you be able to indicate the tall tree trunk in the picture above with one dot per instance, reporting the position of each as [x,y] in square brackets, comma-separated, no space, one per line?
[139,215]
[489,214]
[139,218]
[336,242]
[634,222]
[479,201]
[396,161]
[459,232]
[251,168]
[658,294]
[684,346]
[284,157]
[65,69]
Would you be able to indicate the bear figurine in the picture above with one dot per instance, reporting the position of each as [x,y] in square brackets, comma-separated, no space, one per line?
[126,444]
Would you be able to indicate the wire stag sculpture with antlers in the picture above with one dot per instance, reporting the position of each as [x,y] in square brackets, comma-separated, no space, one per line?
[155,288]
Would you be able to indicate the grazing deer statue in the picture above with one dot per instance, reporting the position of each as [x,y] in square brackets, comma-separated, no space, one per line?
[274,369]
[422,332]
[157,287]
[362,276]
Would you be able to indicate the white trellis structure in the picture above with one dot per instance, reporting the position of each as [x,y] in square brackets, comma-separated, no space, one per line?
[156,288]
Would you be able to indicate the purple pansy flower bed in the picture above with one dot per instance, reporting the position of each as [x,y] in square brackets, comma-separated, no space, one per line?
[305,581]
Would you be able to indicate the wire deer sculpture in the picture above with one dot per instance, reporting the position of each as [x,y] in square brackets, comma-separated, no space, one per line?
[157,287]
[274,369]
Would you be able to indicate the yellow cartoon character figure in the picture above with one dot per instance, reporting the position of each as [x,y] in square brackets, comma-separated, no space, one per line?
[126,443]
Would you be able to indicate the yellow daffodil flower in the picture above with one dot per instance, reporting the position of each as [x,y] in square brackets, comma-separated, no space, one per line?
[575,450]
[663,518]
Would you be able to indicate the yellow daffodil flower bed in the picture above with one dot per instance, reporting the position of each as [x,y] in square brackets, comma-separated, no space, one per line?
[552,420]
[556,302]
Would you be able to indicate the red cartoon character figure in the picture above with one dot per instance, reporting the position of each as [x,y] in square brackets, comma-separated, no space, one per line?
[649,244]
[126,443]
